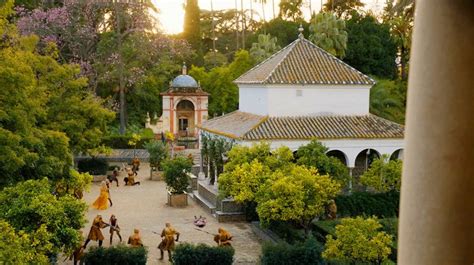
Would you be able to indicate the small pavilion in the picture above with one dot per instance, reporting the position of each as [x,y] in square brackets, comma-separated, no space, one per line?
[303,92]
[184,108]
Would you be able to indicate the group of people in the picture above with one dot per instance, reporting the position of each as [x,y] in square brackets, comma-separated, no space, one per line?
[104,199]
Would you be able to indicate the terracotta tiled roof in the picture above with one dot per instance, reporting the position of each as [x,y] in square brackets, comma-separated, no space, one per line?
[302,62]
[239,125]
[233,125]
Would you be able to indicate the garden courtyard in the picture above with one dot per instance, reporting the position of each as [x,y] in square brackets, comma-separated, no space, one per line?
[144,207]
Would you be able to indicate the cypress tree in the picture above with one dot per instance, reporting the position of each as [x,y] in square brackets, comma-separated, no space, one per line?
[191,31]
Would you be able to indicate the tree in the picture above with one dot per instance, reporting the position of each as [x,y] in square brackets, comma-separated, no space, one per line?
[158,153]
[31,207]
[383,175]
[370,47]
[388,100]
[264,48]
[249,167]
[176,172]
[285,31]
[191,28]
[214,59]
[299,194]
[358,240]
[23,248]
[314,155]
[291,10]
[219,81]
[342,7]
[47,113]
[329,33]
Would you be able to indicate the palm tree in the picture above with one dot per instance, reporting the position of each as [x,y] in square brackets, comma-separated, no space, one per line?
[263,2]
[264,48]
[328,32]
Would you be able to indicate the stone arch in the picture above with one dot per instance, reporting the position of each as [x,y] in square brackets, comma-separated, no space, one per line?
[397,154]
[339,155]
[185,117]
[363,160]
[184,98]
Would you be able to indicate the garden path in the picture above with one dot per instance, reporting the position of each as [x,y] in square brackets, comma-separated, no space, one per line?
[144,207]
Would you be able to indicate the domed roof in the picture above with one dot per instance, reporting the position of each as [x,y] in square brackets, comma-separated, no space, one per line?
[184,81]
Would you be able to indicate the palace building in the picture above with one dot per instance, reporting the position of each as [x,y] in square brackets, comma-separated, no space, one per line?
[303,92]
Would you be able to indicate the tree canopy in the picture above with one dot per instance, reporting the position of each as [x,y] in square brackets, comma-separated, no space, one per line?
[329,33]
[383,175]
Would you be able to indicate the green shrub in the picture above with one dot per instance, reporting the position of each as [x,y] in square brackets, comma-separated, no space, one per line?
[305,253]
[287,231]
[175,174]
[94,166]
[382,205]
[158,152]
[116,255]
[188,254]
[122,141]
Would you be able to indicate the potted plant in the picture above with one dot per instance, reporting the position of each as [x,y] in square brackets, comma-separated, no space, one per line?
[158,152]
[175,172]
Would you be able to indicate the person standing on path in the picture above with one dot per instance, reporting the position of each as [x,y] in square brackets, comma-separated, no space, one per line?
[101,202]
[167,240]
[95,234]
[114,227]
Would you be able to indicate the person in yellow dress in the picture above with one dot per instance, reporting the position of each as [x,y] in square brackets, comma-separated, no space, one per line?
[167,240]
[223,238]
[101,203]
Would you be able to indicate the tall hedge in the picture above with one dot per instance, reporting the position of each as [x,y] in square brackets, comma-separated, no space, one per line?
[188,254]
[305,253]
[382,205]
[93,166]
[115,255]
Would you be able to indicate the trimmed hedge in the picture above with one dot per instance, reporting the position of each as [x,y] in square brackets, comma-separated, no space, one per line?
[382,205]
[115,255]
[121,141]
[305,253]
[188,254]
[94,166]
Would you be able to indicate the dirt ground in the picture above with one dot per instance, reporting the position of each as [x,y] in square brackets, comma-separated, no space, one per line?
[144,207]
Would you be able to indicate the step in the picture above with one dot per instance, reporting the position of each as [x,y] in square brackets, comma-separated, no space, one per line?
[205,204]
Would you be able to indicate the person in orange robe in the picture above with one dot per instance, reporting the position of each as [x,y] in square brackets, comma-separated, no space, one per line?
[223,238]
[135,240]
[95,234]
[101,203]
[167,242]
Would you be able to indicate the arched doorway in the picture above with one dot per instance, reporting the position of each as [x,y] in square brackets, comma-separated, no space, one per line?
[339,155]
[398,154]
[363,161]
[185,118]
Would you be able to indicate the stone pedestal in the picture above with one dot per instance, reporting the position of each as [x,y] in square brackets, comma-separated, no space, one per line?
[177,200]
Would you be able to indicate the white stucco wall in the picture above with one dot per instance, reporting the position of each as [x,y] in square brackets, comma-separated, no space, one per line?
[253,99]
[301,100]
[350,147]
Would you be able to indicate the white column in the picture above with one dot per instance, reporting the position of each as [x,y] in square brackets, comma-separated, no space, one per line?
[437,202]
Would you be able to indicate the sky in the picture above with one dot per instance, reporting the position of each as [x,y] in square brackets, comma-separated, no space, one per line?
[171,14]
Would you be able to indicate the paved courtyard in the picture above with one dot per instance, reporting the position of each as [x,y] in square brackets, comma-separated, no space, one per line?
[144,207]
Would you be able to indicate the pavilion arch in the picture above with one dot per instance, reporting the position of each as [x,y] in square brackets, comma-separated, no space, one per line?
[185,117]
[397,154]
[339,155]
[363,160]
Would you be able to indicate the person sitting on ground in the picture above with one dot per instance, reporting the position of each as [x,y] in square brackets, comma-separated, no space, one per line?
[200,222]
[223,238]
[131,179]
[135,240]
[167,242]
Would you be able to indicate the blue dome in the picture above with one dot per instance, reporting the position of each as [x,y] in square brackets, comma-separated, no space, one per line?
[184,81]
